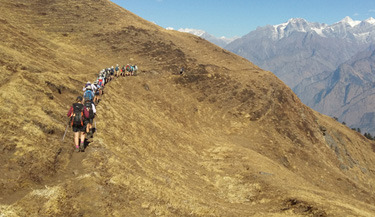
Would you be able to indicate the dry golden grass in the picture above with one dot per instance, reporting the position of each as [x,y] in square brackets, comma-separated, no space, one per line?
[225,139]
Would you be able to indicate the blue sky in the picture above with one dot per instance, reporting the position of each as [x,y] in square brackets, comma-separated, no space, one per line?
[238,17]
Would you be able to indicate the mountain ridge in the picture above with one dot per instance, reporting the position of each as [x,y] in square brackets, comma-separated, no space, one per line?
[356,77]
[299,52]
[219,41]
[227,138]
[293,24]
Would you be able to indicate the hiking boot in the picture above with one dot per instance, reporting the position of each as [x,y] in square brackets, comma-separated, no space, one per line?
[82,147]
[77,149]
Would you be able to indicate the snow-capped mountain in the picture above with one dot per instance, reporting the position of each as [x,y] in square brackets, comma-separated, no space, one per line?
[303,53]
[295,25]
[356,31]
[197,32]
[345,28]
[222,41]
[297,48]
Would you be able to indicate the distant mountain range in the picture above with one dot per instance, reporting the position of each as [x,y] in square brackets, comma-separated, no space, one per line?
[299,49]
[222,41]
[347,93]
[330,67]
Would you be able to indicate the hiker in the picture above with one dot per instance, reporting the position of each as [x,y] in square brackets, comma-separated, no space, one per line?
[123,71]
[87,85]
[94,88]
[127,70]
[112,70]
[77,113]
[88,94]
[106,75]
[135,69]
[130,70]
[101,84]
[101,77]
[117,69]
[109,78]
[96,93]
[90,107]
[182,71]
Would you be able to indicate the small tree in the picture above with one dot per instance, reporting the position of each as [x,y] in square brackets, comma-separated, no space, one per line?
[358,130]
[369,136]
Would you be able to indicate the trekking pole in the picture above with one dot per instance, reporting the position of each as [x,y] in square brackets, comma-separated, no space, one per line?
[66,129]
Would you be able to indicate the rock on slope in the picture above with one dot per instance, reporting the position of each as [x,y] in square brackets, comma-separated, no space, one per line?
[226,139]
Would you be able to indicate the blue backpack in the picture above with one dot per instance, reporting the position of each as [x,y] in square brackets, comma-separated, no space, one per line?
[88,95]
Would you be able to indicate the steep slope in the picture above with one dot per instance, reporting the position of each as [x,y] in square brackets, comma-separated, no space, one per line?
[225,139]
[346,93]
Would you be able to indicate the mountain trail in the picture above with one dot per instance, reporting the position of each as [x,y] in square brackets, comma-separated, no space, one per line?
[71,171]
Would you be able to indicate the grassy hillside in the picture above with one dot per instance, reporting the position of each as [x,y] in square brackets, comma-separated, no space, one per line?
[225,139]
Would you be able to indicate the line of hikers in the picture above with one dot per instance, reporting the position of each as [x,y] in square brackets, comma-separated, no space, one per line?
[128,70]
[83,111]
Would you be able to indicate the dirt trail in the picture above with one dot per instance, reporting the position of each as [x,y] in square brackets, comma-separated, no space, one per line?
[73,168]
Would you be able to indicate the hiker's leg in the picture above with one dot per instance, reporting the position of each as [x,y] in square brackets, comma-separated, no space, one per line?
[82,144]
[76,139]
[83,137]
[87,127]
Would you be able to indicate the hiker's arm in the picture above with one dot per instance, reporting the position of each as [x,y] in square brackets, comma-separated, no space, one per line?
[93,108]
[70,111]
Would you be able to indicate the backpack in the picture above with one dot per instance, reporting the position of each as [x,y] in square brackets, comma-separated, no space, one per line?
[88,105]
[77,116]
[117,68]
[88,95]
